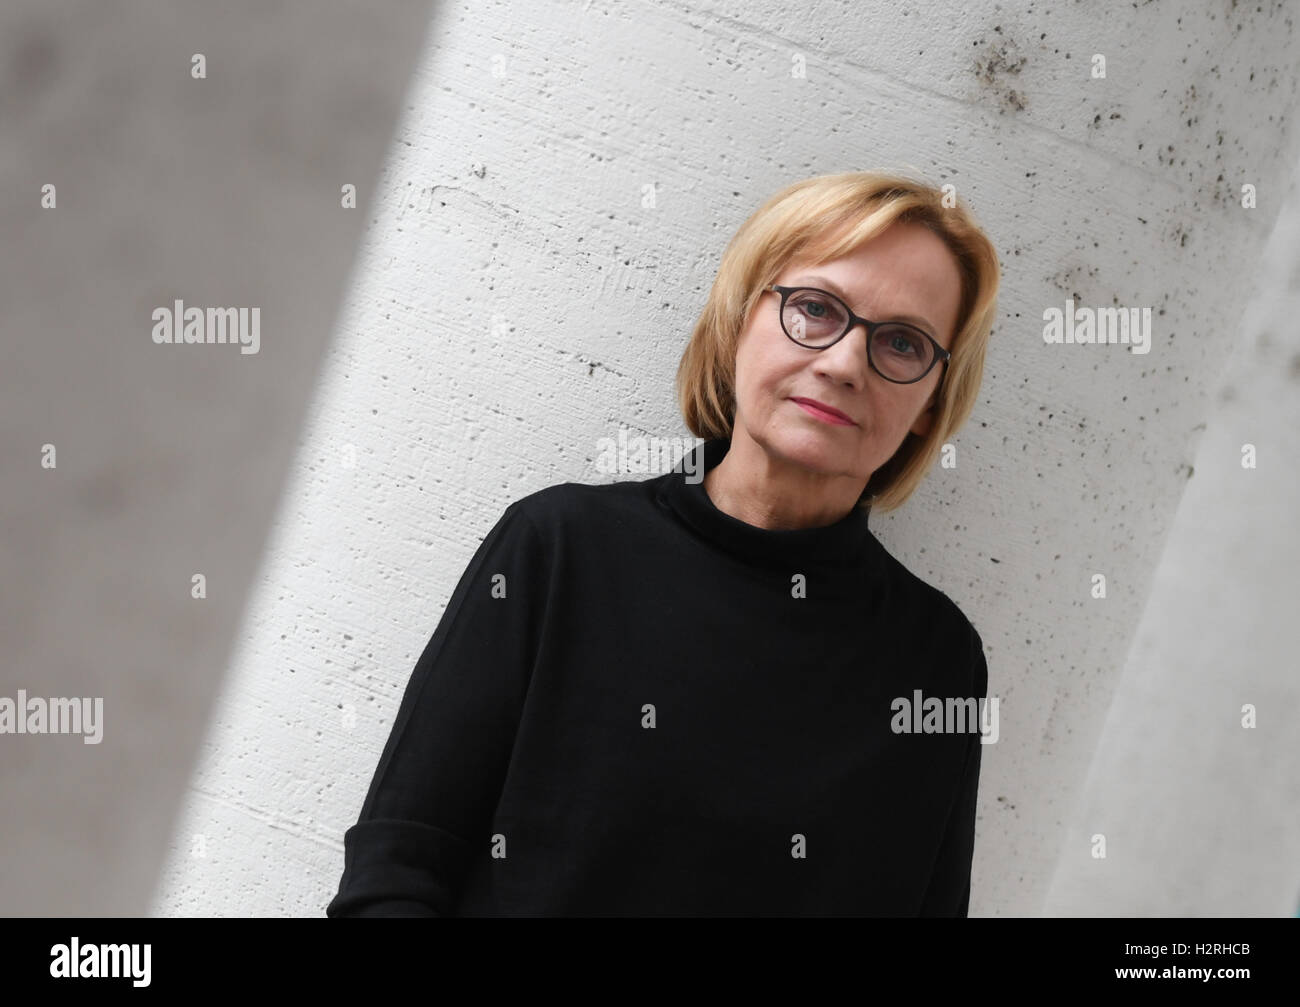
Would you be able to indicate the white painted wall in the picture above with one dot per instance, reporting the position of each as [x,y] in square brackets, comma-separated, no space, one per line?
[516,185]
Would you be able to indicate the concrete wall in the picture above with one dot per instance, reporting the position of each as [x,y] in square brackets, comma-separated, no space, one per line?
[1195,784]
[169,460]
[572,172]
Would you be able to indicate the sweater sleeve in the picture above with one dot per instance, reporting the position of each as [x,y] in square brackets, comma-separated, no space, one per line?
[948,893]
[431,800]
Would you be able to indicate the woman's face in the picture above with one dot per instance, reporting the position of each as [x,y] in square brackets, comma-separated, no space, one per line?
[906,273]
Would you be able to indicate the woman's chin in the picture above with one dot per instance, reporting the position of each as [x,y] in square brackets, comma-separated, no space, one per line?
[817,450]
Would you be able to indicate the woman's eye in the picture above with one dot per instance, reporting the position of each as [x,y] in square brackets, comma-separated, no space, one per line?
[815,308]
[905,343]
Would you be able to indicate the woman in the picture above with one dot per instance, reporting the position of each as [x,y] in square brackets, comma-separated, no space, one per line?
[681,697]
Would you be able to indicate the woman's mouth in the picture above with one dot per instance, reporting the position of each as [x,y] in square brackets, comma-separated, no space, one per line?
[823,412]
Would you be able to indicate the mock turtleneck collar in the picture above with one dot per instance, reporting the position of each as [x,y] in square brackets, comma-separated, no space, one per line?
[846,545]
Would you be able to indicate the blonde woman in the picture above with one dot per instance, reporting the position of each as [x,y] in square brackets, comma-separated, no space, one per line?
[686,696]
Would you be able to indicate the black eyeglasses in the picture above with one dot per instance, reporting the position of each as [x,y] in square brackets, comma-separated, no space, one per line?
[897,351]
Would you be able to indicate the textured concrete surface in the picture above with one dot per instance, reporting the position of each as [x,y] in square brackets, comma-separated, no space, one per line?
[1200,812]
[169,459]
[575,179]
[545,227]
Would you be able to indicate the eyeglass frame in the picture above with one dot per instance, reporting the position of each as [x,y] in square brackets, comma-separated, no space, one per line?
[854,322]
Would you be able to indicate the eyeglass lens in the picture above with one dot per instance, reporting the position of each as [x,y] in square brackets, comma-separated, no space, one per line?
[816,319]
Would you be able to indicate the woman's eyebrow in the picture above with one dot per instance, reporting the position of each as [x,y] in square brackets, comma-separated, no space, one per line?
[835,288]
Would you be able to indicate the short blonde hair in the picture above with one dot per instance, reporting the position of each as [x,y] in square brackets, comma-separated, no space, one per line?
[824,218]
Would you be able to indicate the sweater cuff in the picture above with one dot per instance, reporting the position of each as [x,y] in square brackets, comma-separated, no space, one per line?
[395,867]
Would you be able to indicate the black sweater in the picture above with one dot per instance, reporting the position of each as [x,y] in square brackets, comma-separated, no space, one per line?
[633,705]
